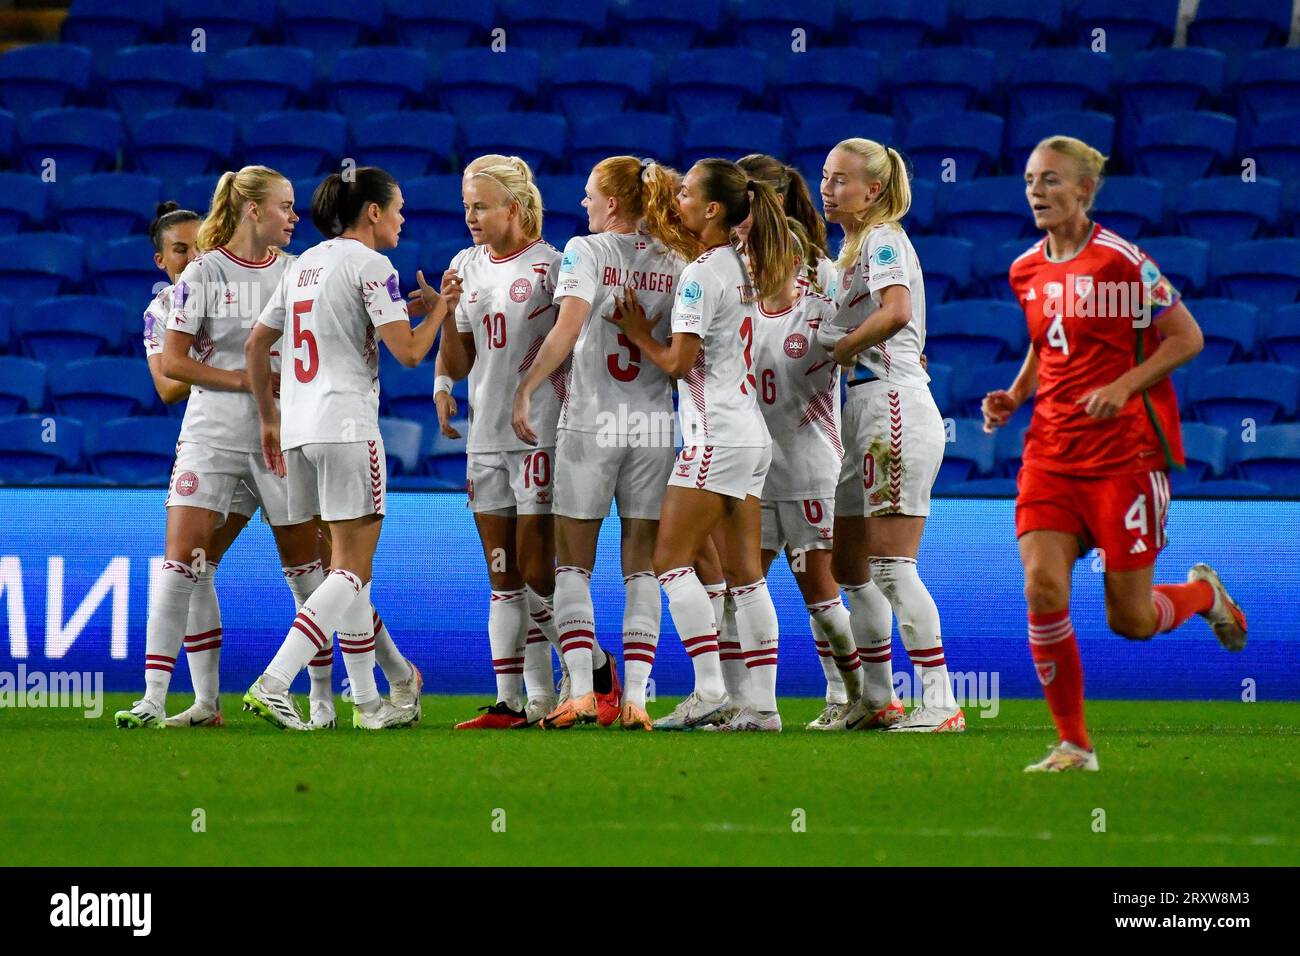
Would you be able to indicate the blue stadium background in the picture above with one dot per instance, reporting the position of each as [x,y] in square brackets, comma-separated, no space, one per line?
[132,113]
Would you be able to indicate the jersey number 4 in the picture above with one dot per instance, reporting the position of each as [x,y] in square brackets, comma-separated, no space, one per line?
[1056,336]
[303,339]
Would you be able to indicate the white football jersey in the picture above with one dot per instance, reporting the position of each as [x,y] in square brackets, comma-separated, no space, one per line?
[217,299]
[799,395]
[155,322]
[329,304]
[828,277]
[717,400]
[607,373]
[887,259]
[509,307]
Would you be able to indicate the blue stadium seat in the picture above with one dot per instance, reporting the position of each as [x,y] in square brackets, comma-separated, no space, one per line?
[37,446]
[444,458]
[79,140]
[896,26]
[439,254]
[1273,459]
[227,26]
[135,451]
[598,82]
[551,28]
[434,211]
[991,265]
[1205,448]
[1230,329]
[652,135]
[1274,143]
[1185,262]
[1096,129]
[23,202]
[408,393]
[1227,488]
[1185,145]
[972,140]
[43,76]
[433,27]
[539,138]
[22,385]
[710,82]
[975,332]
[1225,209]
[768,24]
[1281,335]
[142,79]
[297,143]
[329,26]
[668,26]
[920,217]
[1132,206]
[407,257]
[958,79]
[562,199]
[408,143]
[968,455]
[733,135]
[401,444]
[475,82]
[1239,26]
[942,377]
[378,79]
[1130,27]
[1256,390]
[38,265]
[123,269]
[1265,272]
[252,80]
[983,488]
[6,325]
[1048,80]
[988,210]
[176,144]
[826,81]
[946,265]
[976,381]
[99,389]
[817,135]
[1269,83]
[108,205]
[8,136]
[1008,444]
[1008,26]
[67,328]
[106,26]
[1159,81]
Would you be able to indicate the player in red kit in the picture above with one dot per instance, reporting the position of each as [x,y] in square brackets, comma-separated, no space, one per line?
[1106,329]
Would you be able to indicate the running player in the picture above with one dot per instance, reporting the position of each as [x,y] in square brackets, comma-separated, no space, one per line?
[614,438]
[494,337]
[797,201]
[718,476]
[893,437]
[336,298]
[1103,435]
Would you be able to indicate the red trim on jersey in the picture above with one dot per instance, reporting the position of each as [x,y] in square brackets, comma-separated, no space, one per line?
[270,258]
[515,255]
[777,315]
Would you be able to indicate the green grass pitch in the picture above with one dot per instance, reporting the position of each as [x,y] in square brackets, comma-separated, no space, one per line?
[1181,783]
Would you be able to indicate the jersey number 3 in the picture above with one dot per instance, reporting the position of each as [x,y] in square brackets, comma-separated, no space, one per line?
[305,371]
[621,372]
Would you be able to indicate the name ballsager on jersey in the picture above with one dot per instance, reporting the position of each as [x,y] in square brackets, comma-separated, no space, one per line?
[1080,297]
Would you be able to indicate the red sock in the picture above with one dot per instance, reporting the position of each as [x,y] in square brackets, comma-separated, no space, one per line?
[1056,658]
[1175,603]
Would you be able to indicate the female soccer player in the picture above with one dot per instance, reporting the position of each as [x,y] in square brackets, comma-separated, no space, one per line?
[893,437]
[494,337]
[1103,435]
[797,201]
[718,476]
[614,438]
[324,438]
[799,396]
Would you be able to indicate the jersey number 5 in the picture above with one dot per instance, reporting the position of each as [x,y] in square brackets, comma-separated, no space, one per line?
[621,372]
[303,339]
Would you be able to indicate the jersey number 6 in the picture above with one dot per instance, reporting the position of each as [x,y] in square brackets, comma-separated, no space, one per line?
[303,339]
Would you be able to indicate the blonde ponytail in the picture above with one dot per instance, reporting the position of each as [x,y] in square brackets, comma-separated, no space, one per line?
[885,165]
[250,184]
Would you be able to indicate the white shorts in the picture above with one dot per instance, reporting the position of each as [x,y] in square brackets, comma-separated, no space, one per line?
[798,525]
[337,481]
[591,474]
[510,482]
[225,481]
[893,447]
[734,472]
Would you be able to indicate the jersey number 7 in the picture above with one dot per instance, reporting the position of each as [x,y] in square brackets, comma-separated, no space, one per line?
[303,339]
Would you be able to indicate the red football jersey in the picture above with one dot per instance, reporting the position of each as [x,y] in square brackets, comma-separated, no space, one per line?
[1091,319]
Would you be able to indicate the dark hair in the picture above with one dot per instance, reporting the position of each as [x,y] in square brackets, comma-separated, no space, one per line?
[337,203]
[166,215]
[790,185]
[768,247]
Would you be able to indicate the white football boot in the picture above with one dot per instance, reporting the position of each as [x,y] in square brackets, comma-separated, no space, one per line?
[199,714]
[538,707]
[831,717]
[275,708]
[323,714]
[862,715]
[1065,756]
[931,720]
[143,713]
[1226,618]
[386,717]
[749,719]
[695,711]
[407,693]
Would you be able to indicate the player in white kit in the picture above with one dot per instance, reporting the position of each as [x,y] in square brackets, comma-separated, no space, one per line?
[330,307]
[796,199]
[718,477]
[893,437]
[494,337]
[614,438]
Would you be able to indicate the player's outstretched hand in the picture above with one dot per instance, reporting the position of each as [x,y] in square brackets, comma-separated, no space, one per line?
[519,417]
[998,407]
[629,315]
[271,453]
[451,289]
[446,406]
[1105,402]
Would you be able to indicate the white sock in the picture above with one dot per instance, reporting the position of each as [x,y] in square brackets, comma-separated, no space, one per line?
[918,625]
[507,631]
[576,624]
[692,615]
[731,655]
[641,614]
[396,668]
[357,642]
[835,693]
[871,620]
[830,619]
[303,580]
[203,638]
[318,619]
[169,609]
[320,670]
[757,627]
[539,671]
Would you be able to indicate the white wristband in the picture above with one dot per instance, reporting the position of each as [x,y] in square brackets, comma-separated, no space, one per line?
[443,383]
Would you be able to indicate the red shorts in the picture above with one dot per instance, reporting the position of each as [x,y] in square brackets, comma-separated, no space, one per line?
[1122,515]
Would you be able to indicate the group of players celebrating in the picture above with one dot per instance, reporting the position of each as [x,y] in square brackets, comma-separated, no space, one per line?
[718,283]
